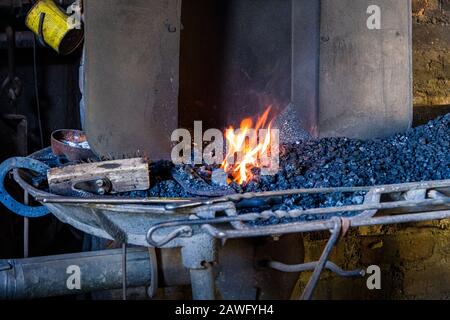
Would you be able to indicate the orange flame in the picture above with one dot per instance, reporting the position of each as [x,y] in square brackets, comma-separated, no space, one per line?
[244,149]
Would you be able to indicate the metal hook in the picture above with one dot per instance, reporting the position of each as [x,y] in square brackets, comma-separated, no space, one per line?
[184,231]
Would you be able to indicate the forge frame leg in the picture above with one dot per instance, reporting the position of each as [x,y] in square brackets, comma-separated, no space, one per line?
[203,283]
[199,255]
[312,283]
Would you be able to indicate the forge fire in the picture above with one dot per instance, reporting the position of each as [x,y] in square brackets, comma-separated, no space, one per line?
[224,150]
[249,147]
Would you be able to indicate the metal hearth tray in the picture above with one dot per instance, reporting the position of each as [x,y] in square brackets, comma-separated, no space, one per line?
[196,225]
[158,221]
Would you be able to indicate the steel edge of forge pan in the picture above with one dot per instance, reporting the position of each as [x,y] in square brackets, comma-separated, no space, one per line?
[134,221]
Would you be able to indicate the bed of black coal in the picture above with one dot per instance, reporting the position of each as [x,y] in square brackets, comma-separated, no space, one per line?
[420,154]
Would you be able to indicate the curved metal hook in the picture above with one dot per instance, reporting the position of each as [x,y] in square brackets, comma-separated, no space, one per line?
[184,231]
[184,228]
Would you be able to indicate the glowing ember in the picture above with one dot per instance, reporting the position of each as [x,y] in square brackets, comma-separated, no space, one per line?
[248,147]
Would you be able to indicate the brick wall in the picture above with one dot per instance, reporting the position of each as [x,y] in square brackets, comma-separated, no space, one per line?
[431,52]
[414,261]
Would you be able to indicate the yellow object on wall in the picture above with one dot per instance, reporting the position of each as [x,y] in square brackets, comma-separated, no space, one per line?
[57,31]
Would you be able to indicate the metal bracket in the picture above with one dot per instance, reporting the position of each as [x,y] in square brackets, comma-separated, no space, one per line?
[100,186]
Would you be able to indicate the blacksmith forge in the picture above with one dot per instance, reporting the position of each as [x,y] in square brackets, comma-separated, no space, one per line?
[151,67]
